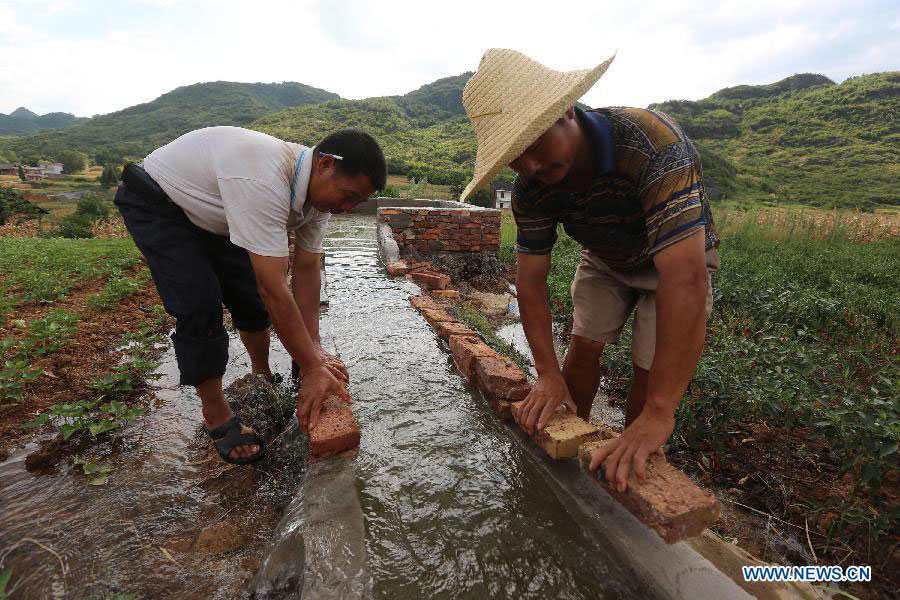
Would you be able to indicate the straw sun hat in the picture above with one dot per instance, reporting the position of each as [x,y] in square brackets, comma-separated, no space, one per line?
[512,100]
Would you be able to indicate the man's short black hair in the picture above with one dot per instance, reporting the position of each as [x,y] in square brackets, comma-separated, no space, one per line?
[360,154]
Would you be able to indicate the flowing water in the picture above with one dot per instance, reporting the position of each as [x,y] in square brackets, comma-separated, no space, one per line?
[452,508]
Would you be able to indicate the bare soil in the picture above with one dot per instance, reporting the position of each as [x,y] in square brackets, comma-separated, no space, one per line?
[90,353]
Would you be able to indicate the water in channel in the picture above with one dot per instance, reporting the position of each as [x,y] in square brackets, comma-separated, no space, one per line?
[452,506]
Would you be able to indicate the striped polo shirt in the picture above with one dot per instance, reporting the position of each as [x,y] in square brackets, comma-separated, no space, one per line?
[647,192]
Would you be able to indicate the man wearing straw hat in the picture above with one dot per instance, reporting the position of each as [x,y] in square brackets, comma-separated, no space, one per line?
[627,185]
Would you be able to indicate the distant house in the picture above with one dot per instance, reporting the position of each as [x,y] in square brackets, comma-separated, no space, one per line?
[9,169]
[51,168]
[502,198]
[34,173]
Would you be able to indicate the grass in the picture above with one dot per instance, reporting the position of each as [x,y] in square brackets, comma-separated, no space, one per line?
[44,270]
[803,337]
[402,185]
[477,321]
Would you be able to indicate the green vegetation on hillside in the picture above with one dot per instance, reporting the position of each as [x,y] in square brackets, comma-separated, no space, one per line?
[802,140]
[138,130]
[22,121]
[425,132]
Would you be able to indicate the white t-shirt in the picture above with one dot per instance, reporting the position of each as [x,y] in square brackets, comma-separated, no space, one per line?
[237,182]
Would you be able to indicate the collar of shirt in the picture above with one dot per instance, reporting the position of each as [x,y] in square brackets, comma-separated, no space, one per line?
[300,181]
[600,135]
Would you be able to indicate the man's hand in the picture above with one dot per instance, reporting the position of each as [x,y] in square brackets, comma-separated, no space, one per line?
[335,365]
[546,395]
[318,384]
[645,436]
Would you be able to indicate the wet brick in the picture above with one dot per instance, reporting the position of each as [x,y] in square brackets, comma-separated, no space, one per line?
[501,378]
[424,302]
[434,316]
[446,293]
[435,281]
[396,268]
[445,329]
[563,434]
[465,351]
[668,501]
[336,430]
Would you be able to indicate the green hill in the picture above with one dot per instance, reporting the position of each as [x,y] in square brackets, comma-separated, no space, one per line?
[135,131]
[23,121]
[802,140]
[425,131]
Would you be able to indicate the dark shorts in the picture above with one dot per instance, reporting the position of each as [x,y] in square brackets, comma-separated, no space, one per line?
[195,272]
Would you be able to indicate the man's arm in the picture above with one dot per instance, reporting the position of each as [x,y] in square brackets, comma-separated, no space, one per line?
[550,388]
[680,332]
[306,282]
[318,382]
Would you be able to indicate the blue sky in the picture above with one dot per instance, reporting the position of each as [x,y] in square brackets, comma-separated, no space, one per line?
[96,56]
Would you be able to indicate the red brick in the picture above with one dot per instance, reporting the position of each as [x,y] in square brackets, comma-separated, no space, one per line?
[437,281]
[336,430]
[446,293]
[668,501]
[445,329]
[500,377]
[420,266]
[436,316]
[388,211]
[396,268]
[423,302]
[465,351]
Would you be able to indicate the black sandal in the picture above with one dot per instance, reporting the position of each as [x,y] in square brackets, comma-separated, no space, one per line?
[228,436]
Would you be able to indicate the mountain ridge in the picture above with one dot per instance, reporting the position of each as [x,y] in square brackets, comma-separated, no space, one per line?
[802,139]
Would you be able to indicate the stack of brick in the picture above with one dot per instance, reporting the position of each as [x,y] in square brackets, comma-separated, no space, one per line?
[425,274]
[499,379]
[668,502]
[427,230]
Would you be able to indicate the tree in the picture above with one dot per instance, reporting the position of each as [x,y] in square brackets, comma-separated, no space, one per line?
[109,177]
[457,184]
[22,173]
[12,204]
[483,197]
[72,161]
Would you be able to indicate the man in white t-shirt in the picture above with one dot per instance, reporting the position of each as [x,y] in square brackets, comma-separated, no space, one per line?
[211,212]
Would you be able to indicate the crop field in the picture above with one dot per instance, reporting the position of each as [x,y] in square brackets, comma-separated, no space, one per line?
[79,320]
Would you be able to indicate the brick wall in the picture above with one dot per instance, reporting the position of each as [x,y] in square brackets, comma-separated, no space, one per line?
[441,229]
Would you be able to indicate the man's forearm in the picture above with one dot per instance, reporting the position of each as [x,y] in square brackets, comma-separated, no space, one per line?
[534,307]
[290,326]
[680,332]
[306,285]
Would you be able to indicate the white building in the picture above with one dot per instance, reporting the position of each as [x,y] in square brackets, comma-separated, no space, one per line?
[502,198]
[51,168]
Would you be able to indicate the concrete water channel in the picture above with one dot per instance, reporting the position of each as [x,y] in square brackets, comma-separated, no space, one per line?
[440,501]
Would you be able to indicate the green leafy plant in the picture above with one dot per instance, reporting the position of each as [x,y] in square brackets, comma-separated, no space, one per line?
[98,473]
[5,576]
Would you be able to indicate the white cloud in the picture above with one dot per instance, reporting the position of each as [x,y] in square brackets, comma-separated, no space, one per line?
[359,48]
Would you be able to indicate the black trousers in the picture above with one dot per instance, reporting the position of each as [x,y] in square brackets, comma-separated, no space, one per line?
[195,272]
